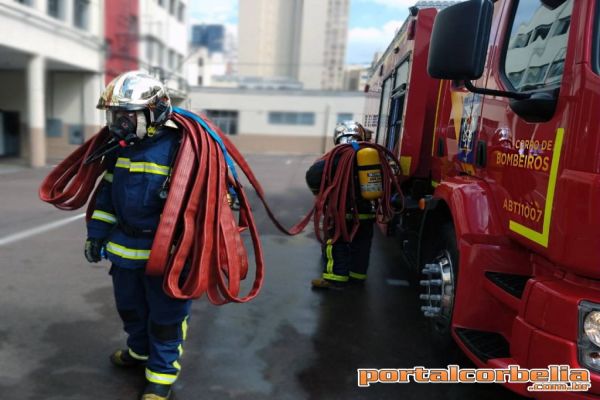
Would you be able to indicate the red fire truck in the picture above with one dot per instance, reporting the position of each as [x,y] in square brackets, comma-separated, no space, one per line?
[501,171]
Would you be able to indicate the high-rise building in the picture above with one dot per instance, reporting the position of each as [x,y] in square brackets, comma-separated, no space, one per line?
[303,40]
[210,36]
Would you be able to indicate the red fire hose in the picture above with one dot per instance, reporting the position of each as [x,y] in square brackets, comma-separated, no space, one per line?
[335,204]
[197,227]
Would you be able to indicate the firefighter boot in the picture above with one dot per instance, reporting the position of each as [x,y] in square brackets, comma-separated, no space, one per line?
[155,391]
[322,283]
[124,358]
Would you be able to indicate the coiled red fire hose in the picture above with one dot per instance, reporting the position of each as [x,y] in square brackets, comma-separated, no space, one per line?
[335,206]
[197,226]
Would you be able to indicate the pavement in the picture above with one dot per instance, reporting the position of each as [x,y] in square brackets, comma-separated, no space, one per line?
[58,321]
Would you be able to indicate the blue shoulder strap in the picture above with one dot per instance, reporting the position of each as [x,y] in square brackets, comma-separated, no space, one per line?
[213,135]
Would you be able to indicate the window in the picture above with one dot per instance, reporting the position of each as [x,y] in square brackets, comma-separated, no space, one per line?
[562,26]
[150,51]
[538,41]
[291,118]
[402,75]
[171,59]
[384,108]
[541,32]
[80,13]
[161,3]
[76,134]
[181,12]
[54,8]
[172,6]
[341,117]
[132,25]
[25,2]
[200,81]
[227,121]
[54,127]
[161,54]
[535,75]
[522,40]
[557,67]
[515,77]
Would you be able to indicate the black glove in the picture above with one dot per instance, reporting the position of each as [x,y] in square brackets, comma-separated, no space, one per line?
[93,249]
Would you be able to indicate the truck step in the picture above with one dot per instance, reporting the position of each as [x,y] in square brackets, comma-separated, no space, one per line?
[511,284]
[484,345]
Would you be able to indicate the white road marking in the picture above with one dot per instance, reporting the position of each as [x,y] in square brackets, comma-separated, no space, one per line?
[15,237]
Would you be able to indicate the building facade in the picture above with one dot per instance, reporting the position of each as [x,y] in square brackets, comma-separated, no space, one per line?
[149,35]
[202,66]
[280,121]
[304,40]
[356,77]
[51,75]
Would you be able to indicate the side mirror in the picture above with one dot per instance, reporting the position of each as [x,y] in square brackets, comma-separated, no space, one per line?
[459,41]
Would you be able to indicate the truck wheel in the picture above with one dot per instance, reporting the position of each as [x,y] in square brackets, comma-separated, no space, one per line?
[440,275]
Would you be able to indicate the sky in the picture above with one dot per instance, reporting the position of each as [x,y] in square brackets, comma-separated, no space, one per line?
[372,23]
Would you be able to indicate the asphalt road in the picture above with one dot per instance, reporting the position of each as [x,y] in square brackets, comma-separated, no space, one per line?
[58,323]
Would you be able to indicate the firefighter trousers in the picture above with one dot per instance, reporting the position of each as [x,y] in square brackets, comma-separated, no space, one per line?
[343,261]
[155,323]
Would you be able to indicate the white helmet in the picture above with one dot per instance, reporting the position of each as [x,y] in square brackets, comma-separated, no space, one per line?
[135,101]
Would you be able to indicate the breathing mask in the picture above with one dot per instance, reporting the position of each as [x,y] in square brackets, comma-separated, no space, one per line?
[128,126]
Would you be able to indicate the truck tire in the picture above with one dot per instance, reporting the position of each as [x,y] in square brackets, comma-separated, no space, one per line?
[439,279]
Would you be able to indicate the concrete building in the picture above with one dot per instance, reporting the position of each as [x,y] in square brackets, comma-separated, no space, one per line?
[201,67]
[284,121]
[164,44]
[149,35]
[51,75]
[212,60]
[304,40]
[356,77]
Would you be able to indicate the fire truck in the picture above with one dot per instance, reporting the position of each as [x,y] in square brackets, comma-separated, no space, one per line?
[493,108]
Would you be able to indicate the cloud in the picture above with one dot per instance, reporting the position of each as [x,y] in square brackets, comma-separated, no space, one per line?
[214,12]
[364,42]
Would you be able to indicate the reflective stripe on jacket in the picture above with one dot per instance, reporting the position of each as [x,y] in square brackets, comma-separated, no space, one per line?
[130,195]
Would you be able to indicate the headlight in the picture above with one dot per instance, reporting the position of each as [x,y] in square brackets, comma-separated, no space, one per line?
[591,327]
[589,335]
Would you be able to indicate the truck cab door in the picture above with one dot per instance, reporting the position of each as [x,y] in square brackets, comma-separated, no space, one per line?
[523,139]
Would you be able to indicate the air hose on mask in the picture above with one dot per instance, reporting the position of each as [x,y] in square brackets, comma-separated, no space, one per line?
[197,226]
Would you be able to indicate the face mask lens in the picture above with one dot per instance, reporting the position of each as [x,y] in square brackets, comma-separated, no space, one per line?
[123,123]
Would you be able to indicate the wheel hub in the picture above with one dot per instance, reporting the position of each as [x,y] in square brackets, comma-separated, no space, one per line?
[439,289]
